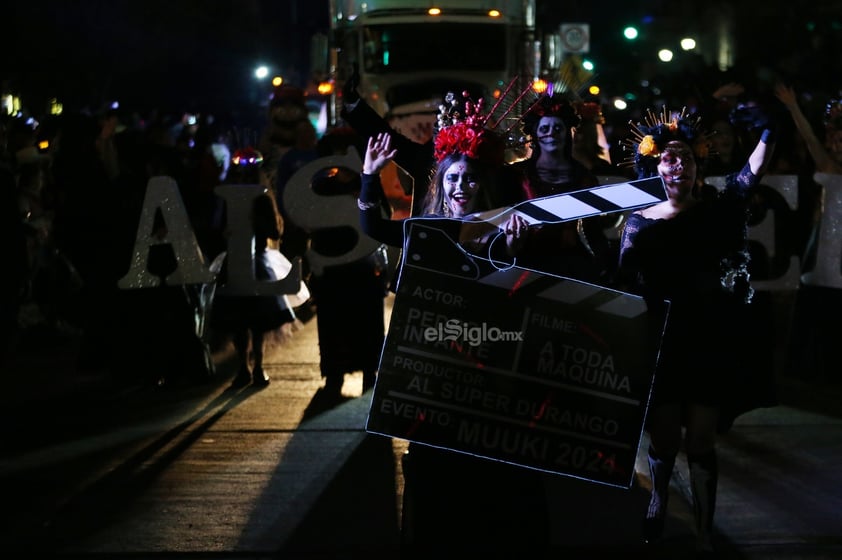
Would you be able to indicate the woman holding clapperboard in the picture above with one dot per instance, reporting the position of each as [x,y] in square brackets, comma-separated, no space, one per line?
[465,180]
[691,250]
[577,248]
[451,499]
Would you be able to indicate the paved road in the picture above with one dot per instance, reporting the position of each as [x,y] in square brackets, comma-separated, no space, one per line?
[205,472]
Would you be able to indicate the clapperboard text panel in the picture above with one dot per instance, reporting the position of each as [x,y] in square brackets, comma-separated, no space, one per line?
[512,364]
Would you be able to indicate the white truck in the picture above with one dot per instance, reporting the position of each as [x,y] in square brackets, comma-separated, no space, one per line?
[410,57]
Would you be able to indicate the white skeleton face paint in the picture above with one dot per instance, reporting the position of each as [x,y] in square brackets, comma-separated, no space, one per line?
[460,187]
[551,133]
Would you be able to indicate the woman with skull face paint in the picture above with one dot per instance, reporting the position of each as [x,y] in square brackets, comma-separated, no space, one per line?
[689,255]
[465,503]
[469,160]
[578,248]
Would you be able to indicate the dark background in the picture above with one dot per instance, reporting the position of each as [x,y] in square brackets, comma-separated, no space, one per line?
[153,53]
[201,54]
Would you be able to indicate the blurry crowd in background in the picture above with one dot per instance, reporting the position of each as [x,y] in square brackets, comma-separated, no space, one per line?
[73,185]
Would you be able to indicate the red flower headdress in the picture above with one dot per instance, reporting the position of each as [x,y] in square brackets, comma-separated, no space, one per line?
[465,131]
[465,127]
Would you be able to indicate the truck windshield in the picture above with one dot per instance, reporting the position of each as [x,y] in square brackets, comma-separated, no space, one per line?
[434,46]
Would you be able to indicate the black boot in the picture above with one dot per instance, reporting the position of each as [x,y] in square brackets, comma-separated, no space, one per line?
[704,480]
[333,385]
[260,377]
[660,470]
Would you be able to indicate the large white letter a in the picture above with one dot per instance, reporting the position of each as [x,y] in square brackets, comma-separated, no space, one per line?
[162,193]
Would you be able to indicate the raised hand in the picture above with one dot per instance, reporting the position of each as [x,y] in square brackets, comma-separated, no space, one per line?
[786,95]
[378,153]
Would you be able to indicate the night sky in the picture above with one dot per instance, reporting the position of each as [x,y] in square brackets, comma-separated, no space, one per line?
[157,53]
[201,54]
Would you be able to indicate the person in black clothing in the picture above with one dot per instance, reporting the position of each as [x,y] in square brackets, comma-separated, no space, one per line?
[689,254]
[576,248]
[349,296]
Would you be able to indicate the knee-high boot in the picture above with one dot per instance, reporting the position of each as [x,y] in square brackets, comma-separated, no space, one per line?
[660,470]
[704,478]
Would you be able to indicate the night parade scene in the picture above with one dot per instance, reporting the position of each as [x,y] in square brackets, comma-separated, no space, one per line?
[421,279]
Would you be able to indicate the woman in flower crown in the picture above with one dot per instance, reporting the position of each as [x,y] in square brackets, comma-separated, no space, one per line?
[465,180]
[452,499]
[688,256]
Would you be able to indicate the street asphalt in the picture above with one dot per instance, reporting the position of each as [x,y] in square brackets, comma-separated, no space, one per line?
[96,468]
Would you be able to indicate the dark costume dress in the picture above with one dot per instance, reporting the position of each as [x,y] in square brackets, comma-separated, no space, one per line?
[349,297]
[576,248]
[698,262]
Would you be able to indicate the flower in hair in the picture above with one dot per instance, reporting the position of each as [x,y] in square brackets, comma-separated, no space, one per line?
[460,138]
[555,105]
[647,146]
[650,137]
[466,131]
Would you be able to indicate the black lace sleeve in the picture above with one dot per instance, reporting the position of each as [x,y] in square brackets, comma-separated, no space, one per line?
[628,273]
[740,183]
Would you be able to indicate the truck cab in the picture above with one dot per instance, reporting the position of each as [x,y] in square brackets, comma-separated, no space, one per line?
[410,56]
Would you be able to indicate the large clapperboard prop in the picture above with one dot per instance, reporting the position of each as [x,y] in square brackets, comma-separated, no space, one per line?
[513,364]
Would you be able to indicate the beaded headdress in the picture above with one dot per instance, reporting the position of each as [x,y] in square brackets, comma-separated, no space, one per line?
[552,105]
[464,127]
[563,98]
[501,133]
[650,138]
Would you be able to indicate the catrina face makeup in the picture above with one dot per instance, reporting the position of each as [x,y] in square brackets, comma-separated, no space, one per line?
[677,165]
[460,187]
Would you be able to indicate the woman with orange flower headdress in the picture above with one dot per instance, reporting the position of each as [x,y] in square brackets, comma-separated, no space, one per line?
[688,255]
